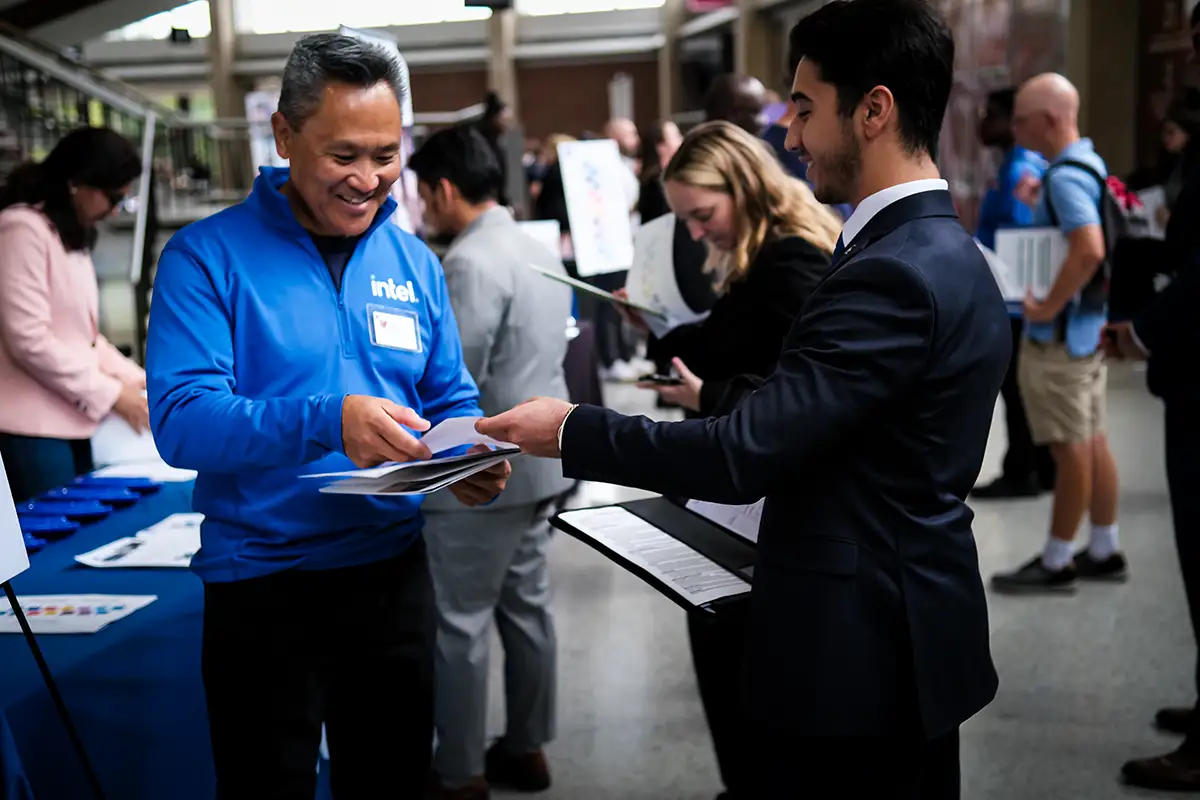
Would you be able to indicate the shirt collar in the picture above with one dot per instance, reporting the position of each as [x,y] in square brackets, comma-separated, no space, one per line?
[872,205]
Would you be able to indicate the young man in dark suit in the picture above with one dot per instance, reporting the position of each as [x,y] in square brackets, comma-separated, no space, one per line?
[869,634]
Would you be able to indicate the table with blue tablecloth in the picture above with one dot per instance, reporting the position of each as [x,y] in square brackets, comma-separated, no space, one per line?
[133,689]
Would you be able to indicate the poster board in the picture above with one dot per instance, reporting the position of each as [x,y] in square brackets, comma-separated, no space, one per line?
[651,281]
[13,558]
[260,106]
[594,183]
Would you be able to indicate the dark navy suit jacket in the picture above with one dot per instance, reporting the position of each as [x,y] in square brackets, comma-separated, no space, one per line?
[869,614]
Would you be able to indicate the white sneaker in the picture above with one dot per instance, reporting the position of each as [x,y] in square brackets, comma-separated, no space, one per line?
[622,372]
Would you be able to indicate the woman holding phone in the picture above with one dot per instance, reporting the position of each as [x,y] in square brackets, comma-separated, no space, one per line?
[769,244]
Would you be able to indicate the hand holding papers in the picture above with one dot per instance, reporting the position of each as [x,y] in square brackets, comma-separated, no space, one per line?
[486,466]
[372,432]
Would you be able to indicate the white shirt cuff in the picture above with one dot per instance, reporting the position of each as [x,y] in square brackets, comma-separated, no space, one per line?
[563,426]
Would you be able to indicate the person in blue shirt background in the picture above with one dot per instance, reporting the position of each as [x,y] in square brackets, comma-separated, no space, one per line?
[1062,377]
[1028,468]
[298,332]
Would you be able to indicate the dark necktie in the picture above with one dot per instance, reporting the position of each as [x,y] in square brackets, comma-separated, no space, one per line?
[838,249]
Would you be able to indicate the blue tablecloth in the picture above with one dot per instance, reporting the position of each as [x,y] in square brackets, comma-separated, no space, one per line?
[134,688]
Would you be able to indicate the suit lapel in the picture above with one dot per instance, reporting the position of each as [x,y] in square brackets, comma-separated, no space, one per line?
[923,205]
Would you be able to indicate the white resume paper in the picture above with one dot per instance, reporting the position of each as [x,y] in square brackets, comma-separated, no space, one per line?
[684,571]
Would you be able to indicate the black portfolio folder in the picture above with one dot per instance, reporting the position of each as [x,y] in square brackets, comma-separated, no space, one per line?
[719,545]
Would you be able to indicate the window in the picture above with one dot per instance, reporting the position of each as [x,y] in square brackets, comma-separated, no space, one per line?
[263,16]
[548,7]
[192,17]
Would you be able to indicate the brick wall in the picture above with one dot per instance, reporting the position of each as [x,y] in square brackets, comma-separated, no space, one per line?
[554,97]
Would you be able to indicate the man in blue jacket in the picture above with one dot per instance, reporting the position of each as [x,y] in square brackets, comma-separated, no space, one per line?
[1028,468]
[298,332]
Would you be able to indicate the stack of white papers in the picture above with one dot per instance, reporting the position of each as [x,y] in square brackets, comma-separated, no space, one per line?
[120,452]
[168,544]
[425,477]
[743,521]
[70,613]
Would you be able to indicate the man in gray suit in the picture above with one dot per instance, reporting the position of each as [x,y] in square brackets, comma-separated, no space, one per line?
[492,563]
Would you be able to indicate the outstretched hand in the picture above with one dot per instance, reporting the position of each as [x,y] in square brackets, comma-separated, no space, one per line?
[533,426]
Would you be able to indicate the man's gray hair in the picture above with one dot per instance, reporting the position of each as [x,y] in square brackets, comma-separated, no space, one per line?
[323,58]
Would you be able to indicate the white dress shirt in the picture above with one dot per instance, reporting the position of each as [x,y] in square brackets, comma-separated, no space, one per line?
[877,202]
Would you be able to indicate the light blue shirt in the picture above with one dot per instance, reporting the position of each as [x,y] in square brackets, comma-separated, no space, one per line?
[1076,195]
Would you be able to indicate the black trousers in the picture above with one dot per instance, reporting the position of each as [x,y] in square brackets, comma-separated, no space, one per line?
[808,768]
[351,648]
[719,656]
[1024,459]
[1183,477]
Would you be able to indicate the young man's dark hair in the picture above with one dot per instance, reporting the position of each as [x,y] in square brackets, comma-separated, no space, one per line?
[904,45]
[463,157]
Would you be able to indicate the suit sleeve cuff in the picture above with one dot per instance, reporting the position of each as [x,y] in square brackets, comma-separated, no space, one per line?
[1137,340]
[562,427]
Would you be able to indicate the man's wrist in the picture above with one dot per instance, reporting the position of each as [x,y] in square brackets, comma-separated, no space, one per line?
[563,425]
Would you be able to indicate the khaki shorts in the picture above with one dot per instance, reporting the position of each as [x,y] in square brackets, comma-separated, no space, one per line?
[1064,396]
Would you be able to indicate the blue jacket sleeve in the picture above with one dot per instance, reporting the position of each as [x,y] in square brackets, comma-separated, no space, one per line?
[198,419]
[862,341]
[447,389]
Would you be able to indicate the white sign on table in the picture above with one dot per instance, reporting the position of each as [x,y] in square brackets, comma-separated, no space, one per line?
[1031,259]
[169,544]
[13,558]
[70,613]
[594,184]
[651,280]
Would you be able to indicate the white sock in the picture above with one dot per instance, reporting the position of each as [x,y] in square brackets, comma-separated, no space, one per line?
[1103,542]
[1057,554]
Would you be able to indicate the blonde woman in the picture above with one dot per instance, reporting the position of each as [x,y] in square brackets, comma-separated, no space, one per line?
[769,244]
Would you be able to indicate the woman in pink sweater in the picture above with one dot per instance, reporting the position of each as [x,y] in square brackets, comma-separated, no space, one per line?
[58,375]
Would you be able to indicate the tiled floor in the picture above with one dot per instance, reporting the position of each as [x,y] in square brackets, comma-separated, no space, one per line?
[1081,676]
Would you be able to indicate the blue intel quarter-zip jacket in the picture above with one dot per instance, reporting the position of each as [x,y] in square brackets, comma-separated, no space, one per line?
[250,353]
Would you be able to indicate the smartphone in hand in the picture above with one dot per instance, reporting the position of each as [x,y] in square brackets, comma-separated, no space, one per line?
[661,380]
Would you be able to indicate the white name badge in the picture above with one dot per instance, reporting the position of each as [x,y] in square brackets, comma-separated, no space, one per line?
[398,330]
